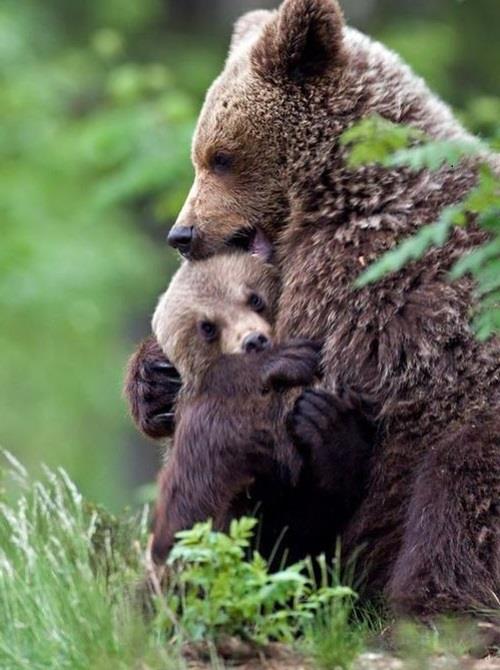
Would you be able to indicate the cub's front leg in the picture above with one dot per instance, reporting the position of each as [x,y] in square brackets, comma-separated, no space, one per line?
[229,436]
[214,459]
[291,365]
[287,369]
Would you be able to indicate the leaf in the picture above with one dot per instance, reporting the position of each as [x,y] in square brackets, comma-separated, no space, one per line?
[487,322]
[224,593]
[486,194]
[487,277]
[433,154]
[241,529]
[472,261]
[412,248]
[374,139]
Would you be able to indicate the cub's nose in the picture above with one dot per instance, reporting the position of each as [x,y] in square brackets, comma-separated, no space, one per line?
[180,238]
[255,342]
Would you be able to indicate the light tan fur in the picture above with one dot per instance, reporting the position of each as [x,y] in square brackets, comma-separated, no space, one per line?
[216,290]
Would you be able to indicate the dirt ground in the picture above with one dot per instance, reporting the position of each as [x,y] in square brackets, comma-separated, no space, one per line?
[372,661]
[281,658]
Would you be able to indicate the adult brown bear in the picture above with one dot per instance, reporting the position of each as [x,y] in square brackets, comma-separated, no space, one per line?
[267,155]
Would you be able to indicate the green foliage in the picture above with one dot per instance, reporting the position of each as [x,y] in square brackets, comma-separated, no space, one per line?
[448,639]
[433,155]
[375,140]
[224,593]
[94,155]
[336,639]
[412,248]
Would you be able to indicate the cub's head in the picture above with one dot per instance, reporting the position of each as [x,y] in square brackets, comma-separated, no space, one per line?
[259,118]
[221,305]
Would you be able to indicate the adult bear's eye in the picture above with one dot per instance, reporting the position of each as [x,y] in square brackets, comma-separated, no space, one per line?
[208,330]
[256,303]
[222,162]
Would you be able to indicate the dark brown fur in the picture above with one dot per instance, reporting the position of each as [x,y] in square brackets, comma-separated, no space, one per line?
[429,524]
[151,387]
[232,454]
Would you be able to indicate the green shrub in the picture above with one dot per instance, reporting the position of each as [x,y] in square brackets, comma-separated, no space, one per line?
[219,591]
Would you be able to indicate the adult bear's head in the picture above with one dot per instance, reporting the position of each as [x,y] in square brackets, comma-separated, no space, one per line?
[262,117]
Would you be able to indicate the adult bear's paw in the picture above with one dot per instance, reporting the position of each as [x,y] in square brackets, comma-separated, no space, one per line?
[151,387]
[313,421]
[335,437]
[293,364]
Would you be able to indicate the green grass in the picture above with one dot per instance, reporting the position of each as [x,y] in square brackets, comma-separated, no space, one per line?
[67,572]
[335,640]
[69,578]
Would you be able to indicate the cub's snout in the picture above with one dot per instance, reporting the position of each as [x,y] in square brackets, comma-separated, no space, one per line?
[255,342]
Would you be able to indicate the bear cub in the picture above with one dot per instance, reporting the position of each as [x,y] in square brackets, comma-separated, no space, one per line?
[249,437]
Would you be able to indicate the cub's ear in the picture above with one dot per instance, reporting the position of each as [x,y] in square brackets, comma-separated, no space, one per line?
[248,26]
[303,41]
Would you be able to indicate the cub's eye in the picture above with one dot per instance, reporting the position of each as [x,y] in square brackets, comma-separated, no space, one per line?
[208,330]
[256,303]
[222,162]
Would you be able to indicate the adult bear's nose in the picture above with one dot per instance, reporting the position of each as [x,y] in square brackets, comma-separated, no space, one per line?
[181,238]
[255,342]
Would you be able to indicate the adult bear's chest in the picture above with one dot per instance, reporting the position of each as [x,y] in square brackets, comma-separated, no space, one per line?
[319,300]
[404,340]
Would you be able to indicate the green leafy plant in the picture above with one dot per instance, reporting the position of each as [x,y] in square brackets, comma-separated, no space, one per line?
[219,591]
[449,639]
[376,140]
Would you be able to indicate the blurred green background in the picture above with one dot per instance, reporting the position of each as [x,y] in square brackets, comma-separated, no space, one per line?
[98,100]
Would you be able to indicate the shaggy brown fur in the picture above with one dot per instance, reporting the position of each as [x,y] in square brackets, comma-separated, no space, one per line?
[267,155]
[232,451]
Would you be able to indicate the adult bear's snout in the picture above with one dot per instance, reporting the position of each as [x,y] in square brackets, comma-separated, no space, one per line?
[181,238]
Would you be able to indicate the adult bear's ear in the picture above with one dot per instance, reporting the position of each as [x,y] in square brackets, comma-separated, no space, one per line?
[303,41]
[247,27]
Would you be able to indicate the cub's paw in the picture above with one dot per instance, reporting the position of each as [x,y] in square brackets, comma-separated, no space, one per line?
[151,387]
[334,435]
[293,364]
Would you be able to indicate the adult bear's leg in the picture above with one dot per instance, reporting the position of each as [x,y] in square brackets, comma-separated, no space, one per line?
[449,560]
[151,387]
